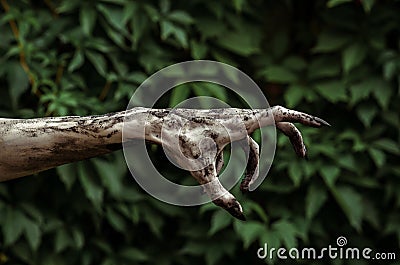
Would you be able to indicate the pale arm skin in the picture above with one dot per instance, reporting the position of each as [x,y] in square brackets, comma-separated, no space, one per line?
[29,146]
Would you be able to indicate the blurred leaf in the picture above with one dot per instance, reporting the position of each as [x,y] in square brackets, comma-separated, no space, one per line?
[234,42]
[77,61]
[330,41]
[133,254]
[178,95]
[33,235]
[279,74]
[333,91]
[116,220]
[315,199]
[170,29]
[180,17]
[112,14]
[367,4]
[18,82]
[294,63]
[287,232]
[12,225]
[238,4]
[366,113]
[387,145]
[248,231]
[94,192]
[332,3]
[78,237]
[98,61]
[351,203]
[295,173]
[219,221]
[109,176]
[62,240]
[87,17]
[353,56]
[198,50]
[67,175]
[360,91]
[329,174]
[323,67]
[377,156]
[294,95]
[382,93]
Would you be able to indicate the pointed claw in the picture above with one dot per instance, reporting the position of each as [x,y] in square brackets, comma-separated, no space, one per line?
[231,205]
[252,167]
[217,193]
[290,130]
[322,122]
[282,114]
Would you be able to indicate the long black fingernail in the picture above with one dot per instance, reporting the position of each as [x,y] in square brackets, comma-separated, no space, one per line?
[324,123]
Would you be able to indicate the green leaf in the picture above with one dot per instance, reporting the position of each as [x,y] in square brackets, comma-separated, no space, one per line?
[133,254]
[179,94]
[94,192]
[382,93]
[287,232]
[295,94]
[348,162]
[13,225]
[234,42]
[77,61]
[18,82]
[323,67]
[367,5]
[315,199]
[112,14]
[353,56]
[294,63]
[109,176]
[329,174]
[238,4]
[181,17]
[377,156]
[295,173]
[333,91]
[360,91]
[87,17]
[67,175]
[98,61]
[387,145]
[214,254]
[170,29]
[216,91]
[198,50]
[78,237]
[249,231]
[33,235]
[332,3]
[279,74]
[366,113]
[331,41]
[116,220]
[351,203]
[62,240]
[219,221]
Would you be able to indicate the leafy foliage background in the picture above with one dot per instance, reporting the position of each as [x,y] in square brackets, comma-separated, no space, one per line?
[337,59]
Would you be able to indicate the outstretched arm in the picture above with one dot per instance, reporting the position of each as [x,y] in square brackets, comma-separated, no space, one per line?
[33,145]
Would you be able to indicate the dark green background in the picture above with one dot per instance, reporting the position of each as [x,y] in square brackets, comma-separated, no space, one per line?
[337,59]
